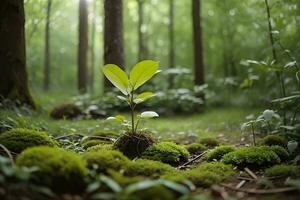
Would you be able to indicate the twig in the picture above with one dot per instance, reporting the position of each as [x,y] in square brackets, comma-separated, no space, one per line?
[191,161]
[245,178]
[8,153]
[220,191]
[250,173]
[69,135]
[238,186]
[103,138]
[260,191]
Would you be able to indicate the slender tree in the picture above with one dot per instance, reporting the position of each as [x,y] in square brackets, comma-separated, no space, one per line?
[113,35]
[93,47]
[47,48]
[142,49]
[13,75]
[171,45]
[82,46]
[198,52]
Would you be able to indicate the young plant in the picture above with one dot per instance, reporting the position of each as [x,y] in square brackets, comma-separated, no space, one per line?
[139,75]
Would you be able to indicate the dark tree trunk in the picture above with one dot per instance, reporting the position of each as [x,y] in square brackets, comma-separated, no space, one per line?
[113,35]
[82,47]
[142,49]
[171,47]
[47,48]
[93,47]
[13,75]
[198,52]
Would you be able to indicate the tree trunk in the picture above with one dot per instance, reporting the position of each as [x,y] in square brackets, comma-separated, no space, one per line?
[198,53]
[113,35]
[93,47]
[47,48]
[171,47]
[142,50]
[82,47]
[13,75]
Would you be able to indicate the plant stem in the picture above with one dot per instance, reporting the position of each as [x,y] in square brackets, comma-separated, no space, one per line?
[132,113]
[278,74]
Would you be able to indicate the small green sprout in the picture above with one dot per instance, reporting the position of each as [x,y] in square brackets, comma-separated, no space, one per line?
[139,75]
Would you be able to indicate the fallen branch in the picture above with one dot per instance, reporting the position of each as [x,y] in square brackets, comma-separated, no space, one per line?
[260,191]
[238,186]
[250,173]
[245,178]
[191,161]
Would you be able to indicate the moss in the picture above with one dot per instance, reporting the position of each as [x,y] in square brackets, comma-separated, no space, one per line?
[101,147]
[167,152]
[281,152]
[252,157]
[90,143]
[17,140]
[175,176]
[133,145]
[219,152]
[271,140]
[60,170]
[210,142]
[282,170]
[147,168]
[158,192]
[105,159]
[210,173]
[195,148]
[67,110]
[124,180]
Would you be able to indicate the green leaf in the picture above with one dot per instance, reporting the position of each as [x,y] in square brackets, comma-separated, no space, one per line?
[142,72]
[149,114]
[174,186]
[117,77]
[143,97]
[113,185]
[292,146]
[141,185]
[119,118]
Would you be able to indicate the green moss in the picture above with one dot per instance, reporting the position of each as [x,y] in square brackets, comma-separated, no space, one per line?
[252,157]
[271,140]
[17,140]
[209,173]
[61,170]
[101,147]
[282,170]
[124,180]
[281,152]
[89,143]
[158,192]
[105,159]
[147,168]
[166,152]
[210,142]
[219,152]
[195,148]
[175,176]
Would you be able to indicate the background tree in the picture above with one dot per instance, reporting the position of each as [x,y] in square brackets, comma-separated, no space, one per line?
[142,48]
[13,75]
[198,54]
[93,30]
[113,35]
[47,48]
[171,45]
[82,46]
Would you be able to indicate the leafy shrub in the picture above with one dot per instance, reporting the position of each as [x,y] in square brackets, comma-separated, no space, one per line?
[66,110]
[209,173]
[252,157]
[281,152]
[271,140]
[219,152]
[105,159]
[16,140]
[101,147]
[166,152]
[282,170]
[147,168]
[195,148]
[61,170]
[209,142]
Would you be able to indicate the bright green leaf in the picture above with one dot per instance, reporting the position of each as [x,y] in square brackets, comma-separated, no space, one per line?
[117,77]
[149,114]
[142,72]
[143,97]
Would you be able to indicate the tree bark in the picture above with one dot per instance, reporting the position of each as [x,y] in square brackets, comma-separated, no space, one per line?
[142,49]
[171,45]
[47,48]
[93,47]
[82,47]
[113,35]
[13,75]
[198,51]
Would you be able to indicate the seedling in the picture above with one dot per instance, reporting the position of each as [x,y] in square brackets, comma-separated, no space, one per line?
[139,75]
